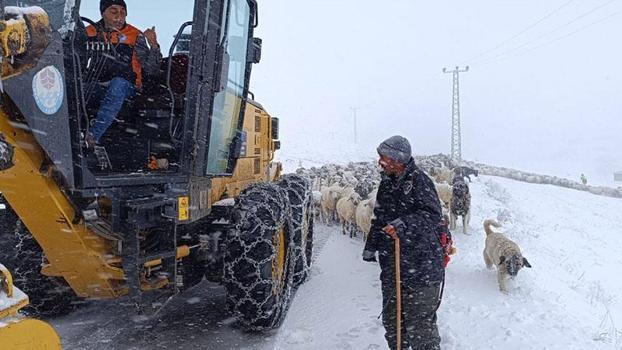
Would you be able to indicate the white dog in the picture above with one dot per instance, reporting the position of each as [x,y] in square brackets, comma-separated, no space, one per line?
[503,253]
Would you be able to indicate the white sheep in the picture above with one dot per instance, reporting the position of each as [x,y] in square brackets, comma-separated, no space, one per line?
[442,175]
[316,197]
[329,197]
[364,213]
[346,210]
[444,192]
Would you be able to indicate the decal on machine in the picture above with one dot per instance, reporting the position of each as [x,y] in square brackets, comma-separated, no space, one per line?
[183,204]
[47,89]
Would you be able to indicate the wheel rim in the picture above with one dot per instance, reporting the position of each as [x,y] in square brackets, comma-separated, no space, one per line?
[278,263]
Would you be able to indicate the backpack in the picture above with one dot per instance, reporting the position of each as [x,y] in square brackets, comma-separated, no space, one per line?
[447,244]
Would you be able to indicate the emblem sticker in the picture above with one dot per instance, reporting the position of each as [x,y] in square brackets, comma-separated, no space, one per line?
[48,90]
[408,186]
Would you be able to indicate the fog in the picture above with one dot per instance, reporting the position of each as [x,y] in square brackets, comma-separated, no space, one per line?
[546,100]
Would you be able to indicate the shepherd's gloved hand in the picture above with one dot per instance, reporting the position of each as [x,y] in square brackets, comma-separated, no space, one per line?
[391,231]
[369,256]
[395,228]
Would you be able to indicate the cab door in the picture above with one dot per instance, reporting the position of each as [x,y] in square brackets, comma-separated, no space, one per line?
[218,85]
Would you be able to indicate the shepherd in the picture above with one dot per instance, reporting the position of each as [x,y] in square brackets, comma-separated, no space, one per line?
[403,233]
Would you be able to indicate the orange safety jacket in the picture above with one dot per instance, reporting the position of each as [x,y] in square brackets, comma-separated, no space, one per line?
[123,60]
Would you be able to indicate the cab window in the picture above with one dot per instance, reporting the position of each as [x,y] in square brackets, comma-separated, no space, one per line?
[150,121]
[228,102]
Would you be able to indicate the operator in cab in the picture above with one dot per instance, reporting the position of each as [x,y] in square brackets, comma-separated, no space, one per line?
[119,73]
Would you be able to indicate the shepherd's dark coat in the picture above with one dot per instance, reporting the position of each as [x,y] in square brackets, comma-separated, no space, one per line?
[409,203]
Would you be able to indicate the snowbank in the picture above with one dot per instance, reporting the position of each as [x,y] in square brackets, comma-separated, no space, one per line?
[484,169]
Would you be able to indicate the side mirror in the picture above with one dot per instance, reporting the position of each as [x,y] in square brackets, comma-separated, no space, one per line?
[254,50]
[275,128]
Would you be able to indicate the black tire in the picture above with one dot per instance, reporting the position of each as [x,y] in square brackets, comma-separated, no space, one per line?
[258,263]
[300,199]
[22,255]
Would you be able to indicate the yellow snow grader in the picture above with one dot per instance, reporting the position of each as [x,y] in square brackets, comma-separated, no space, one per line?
[181,188]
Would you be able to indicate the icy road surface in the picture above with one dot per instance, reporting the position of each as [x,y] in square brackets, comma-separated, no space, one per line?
[570,299]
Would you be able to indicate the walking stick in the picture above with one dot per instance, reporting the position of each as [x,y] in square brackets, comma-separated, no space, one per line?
[398,292]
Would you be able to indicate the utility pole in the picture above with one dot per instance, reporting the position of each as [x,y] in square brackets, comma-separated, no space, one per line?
[354,109]
[456,143]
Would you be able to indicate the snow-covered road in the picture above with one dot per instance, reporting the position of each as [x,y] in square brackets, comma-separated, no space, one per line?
[338,307]
[570,299]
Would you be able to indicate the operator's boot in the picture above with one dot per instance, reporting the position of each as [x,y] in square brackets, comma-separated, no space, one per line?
[103,161]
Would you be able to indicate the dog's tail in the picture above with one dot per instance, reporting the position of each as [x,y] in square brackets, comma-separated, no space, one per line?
[488,223]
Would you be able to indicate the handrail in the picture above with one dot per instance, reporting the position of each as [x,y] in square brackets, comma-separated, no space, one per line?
[168,75]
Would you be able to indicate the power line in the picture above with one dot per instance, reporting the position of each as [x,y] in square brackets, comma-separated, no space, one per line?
[545,34]
[554,40]
[521,32]
[578,30]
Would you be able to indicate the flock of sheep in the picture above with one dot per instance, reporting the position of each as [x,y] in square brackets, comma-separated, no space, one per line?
[346,194]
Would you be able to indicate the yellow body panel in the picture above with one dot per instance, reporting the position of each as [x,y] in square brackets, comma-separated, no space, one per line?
[256,165]
[28,334]
[17,333]
[72,250]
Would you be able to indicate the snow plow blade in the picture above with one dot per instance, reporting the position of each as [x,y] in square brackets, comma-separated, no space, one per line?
[16,331]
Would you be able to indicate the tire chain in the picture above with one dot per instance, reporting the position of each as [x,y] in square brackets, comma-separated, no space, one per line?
[299,195]
[251,234]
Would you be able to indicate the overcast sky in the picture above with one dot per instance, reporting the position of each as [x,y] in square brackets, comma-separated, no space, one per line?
[543,90]
[536,98]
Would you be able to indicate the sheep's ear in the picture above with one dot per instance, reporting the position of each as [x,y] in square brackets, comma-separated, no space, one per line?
[501,260]
[526,263]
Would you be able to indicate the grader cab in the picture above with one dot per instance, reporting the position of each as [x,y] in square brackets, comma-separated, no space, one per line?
[182,186]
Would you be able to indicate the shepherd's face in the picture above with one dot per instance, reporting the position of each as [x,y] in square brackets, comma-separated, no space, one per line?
[391,166]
